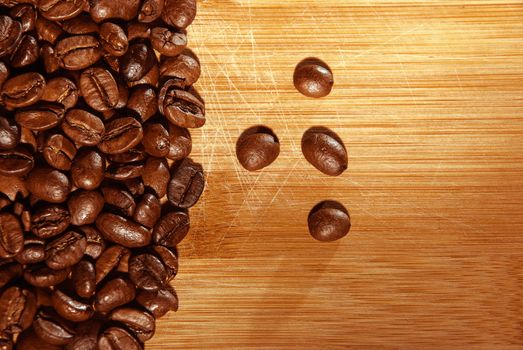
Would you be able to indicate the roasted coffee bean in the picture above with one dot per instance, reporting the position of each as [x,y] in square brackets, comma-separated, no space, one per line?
[110,260]
[150,10]
[13,187]
[141,323]
[169,259]
[148,210]
[33,251]
[47,30]
[48,184]
[135,186]
[114,293]
[83,128]
[11,32]
[184,68]
[329,221]
[61,90]
[180,142]
[87,171]
[83,279]
[134,155]
[156,176]
[26,15]
[81,24]
[28,139]
[42,276]
[52,328]
[168,42]
[17,309]
[41,116]
[65,251]
[116,338]
[84,207]
[171,229]
[179,13]
[70,308]
[186,185]
[60,10]
[257,147]
[121,135]
[122,172]
[136,62]
[51,61]
[28,340]
[147,272]
[158,302]
[137,30]
[49,221]
[152,77]
[119,199]
[59,152]
[143,100]
[313,78]
[123,95]
[102,10]
[9,271]
[123,231]
[180,107]
[25,53]
[86,336]
[156,140]
[325,151]
[4,73]
[99,89]
[11,236]
[16,162]
[113,38]
[78,52]
[95,242]
[22,90]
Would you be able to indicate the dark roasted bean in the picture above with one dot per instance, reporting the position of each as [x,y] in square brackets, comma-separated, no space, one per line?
[83,128]
[17,309]
[81,24]
[156,176]
[313,78]
[114,293]
[148,210]
[88,169]
[123,231]
[168,42]
[102,10]
[43,276]
[48,184]
[95,242]
[158,302]
[116,338]
[59,152]
[84,207]
[59,10]
[71,308]
[179,13]
[186,185]
[141,323]
[119,199]
[143,100]
[113,38]
[184,68]
[23,90]
[78,52]
[83,279]
[16,162]
[99,89]
[136,62]
[25,53]
[325,151]
[61,90]
[257,147]
[49,221]
[41,116]
[65,251]
[121,135]
[11,236]
[147,272]
[52,328]
[110,260]
[180,107]
[11,32]
[329,221]
[171,229]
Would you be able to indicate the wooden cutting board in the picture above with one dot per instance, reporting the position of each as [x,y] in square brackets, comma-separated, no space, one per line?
[428,98]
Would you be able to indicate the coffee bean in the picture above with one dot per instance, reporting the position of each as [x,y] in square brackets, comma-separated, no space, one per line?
[119,199]
[169,259]
[171,229]
[11,236]
[78,52]
[184,68]
[121,135]
[156,176]
[42,276]
[134,155]
[4,73]
[136,62]
[116,338]
[86,336]
[26,15]
[313,78]
[61,90]
[81,24]
[257,148]
[83,279]
[52,328]
[113,38]
[114,293]
[143,100]
[123,231]
[156,140]
[102,10]
[180,107]
[48,184]
[28,340]
[83,128]
[186,185]
[51,61]
[17,309]
[135,186]
[141,323]
[11,32]
[16,162]
[180,143]
[59,152]
[41,116]
[32,253]
[22,90]
[25,53]
[49,221]
[122,172]
[87,170]
[70,308]
[60,10]
[147,272]
[168,42]
[148,210]
[65,251]
[110,260]
[152,77]
[137,30]
[158,302]
[99,89]
[179,13]
[325,151]
[95,242]
[47,30]
[150,10]
[85,206]
[9,134]
[329,221]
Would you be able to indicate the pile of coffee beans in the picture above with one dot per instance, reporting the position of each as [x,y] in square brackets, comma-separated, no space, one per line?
[95,181]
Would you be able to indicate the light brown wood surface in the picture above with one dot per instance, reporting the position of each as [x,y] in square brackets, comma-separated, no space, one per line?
[428,98]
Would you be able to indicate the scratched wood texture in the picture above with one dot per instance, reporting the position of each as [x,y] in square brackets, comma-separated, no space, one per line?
[428,98]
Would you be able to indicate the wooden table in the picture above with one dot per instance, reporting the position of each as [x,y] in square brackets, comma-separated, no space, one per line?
[428,98]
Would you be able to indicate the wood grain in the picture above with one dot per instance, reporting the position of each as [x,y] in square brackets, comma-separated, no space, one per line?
[428,98]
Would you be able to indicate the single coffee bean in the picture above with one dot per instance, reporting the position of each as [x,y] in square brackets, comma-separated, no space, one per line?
[148,210]
[102,10]
[325,151]
[313,78]
[81,24]
[329,221]
[17,309]
[87,170]
[32,253]
[59,152]
[134,155]
[123,95]
[83,128]
[85,206]
[11,33]
[83,279]
[60,10]
[137,30]
[26,15]
[122,172]
[51,61]
[110,260]
[11,236]
[4,73]
[47,30]
[171,229]
[53,329]
[65,251]
[49,221]
[78,52]
[180,143]
[123,231]
[9,134]
[61,90]
[113,38]
[25,53]
[114,293]
[99,89]
[28,139]
[48,184]
[22,90]
[141,323]
[184,68]
[116,338]
[28,340]
[143,100]
[169,259]
[121,135]
[158,302]
[147,272]
[150,10]
[186,185]
[179,13]
[43,277]
[119,199]
[168,42]
[95,242]
[257,148]
[16,162]
[156,176]
[9,271]
[86,337]
[70,308]
[156,140]
[152,77]
[135,186]
[41,116]
[136,62]
[180,107]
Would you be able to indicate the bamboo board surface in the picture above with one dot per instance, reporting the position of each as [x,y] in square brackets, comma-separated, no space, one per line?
[428,98]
